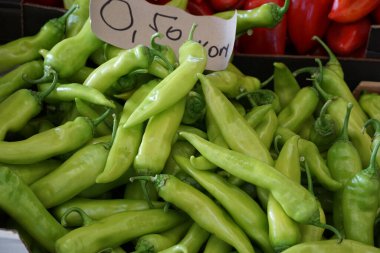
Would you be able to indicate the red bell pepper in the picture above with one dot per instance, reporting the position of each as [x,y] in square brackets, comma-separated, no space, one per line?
[223,5]
[307,18]
[345,38]
[199,8]
[345,11]
[263,40]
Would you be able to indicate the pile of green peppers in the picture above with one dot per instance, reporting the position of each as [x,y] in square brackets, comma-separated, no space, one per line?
[104,149]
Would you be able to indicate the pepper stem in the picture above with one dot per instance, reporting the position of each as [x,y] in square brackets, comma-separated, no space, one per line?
[192,30]
[372,167]
[155,54]
[73,8]
[318,79]
[331,228]
[284,8]
[153,42]
[100,119]
[333,60]
[323,124]
[42,95]
[344,131]
[86,220]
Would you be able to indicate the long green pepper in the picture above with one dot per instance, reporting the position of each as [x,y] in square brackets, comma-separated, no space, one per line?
[26,49]
[202,209]
[192,60]
[19,202]
[296,201]
[126,140]
[246,212]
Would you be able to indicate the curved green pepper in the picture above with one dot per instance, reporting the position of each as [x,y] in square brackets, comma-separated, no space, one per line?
[114,230]
[19,202]
[13,80]
[297,202]
[192,60]
[26,49]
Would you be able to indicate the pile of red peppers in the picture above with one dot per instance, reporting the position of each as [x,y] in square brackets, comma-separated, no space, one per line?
[343,24]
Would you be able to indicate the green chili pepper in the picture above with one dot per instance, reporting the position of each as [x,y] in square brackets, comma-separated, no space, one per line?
[296,201]
[117,229]
[98,208]
[344,162]
[182,148]
[370,103]
[85,110]
[327,246]
[317,165]
[127,140]
[78,18]
[256,115]
[29,173]
[26,103]
[215,245]
[214,135]
[267,128]
[360,202]
[283,231]
[324,130]
[13,80]
[242,208]
[61,184]
[192,60]
[192,242]
[236,131]
[333,62]
[285,85]
[266,15]
[233,84]
[300,108]
[26,49]
[70,91]
[159,242]
[203,210]
[155,146]
[333,84]
[59,140]
[337,109]
[20,203]
[69,55]
[127,61]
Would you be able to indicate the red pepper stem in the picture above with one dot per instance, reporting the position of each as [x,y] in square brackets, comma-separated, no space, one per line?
[344,132]
[86,220]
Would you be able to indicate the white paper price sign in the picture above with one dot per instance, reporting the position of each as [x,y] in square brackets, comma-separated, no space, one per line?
[126,23]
